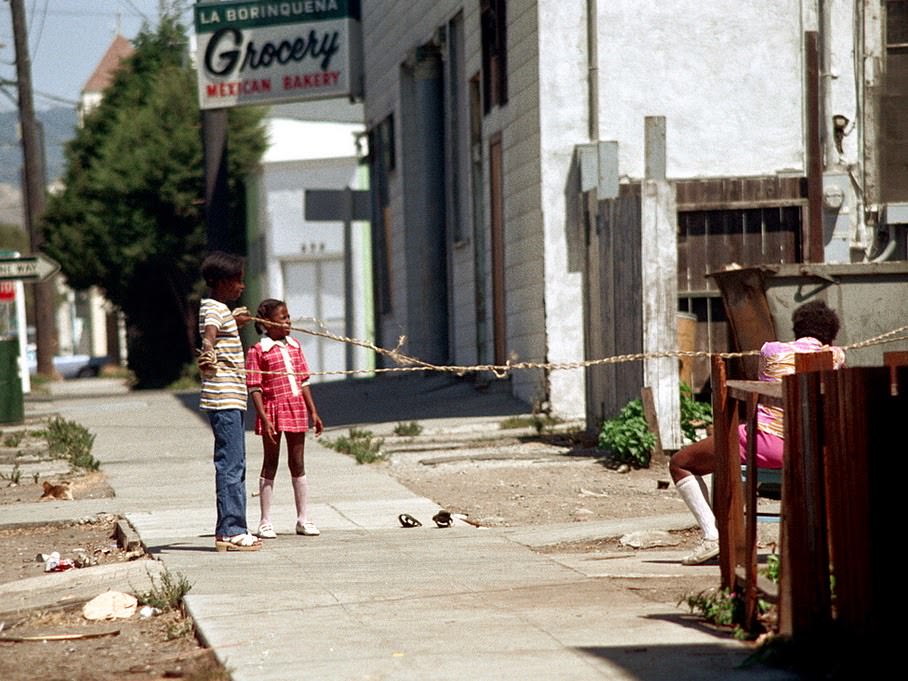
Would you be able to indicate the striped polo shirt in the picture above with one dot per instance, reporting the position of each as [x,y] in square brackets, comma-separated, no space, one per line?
[227,388]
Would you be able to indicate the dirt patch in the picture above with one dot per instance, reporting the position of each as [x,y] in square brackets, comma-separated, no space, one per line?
[90,542]
[510,483]
[83,485]
[61,643]
[161,647]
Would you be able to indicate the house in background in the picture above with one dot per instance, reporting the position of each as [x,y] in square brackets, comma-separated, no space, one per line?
[553,181]
[312,146]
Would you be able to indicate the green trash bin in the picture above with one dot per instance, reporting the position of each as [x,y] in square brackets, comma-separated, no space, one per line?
[11,410]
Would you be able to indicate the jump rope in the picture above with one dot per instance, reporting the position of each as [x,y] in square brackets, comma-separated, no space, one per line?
[407,363]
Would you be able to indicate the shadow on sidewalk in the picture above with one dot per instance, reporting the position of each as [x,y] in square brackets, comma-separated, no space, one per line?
[399,398]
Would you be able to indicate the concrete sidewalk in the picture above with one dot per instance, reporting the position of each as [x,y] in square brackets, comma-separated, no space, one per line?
[369,599]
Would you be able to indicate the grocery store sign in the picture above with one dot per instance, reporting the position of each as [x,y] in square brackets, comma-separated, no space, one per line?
[271,51]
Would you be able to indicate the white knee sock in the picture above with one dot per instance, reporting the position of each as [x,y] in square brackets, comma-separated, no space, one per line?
[266,492]
[300,494]
[690,491]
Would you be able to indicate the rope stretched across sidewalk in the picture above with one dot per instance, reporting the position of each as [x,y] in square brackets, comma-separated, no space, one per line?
[407,363]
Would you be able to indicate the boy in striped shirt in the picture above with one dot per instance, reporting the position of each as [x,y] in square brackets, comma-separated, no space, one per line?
[223,396]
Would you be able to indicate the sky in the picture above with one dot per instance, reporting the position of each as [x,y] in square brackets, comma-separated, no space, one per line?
[66,40]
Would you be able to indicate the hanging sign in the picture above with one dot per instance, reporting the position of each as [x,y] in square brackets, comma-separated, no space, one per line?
[271,51]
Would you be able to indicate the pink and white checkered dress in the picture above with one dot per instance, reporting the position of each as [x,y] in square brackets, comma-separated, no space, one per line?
[282,392]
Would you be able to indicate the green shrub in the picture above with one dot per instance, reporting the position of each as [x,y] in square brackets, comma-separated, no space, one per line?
[360,444]
[71,441]
[723,608]
[411,429]
[13,440]
[167,593]
[628,437]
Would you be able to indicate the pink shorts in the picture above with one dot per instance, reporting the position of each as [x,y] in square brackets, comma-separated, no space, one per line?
[769,448]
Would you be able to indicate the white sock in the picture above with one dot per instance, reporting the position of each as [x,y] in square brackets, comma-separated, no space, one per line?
[690,491]
[266,492]
[300,494]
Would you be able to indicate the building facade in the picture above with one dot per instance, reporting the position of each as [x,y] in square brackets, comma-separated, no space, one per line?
[776,126]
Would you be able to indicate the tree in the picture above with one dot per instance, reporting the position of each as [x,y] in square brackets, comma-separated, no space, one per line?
[131,217]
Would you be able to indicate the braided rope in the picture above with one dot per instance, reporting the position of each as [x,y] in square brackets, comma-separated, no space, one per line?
[406,363]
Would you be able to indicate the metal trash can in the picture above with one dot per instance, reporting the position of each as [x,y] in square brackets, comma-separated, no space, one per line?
[11,408]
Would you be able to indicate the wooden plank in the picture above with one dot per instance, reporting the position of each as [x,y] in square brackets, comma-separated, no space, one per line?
[895,359]
[743,390]
[727,505]
[813,229]
[804,598]
[750,532]
[652,418]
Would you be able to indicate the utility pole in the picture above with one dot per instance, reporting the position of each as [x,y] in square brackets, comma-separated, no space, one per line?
[34,188]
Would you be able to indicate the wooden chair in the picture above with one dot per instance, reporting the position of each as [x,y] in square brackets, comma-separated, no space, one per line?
[737,531]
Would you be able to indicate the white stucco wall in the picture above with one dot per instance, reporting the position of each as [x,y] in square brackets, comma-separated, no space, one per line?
[726,75]
[563,124]
[311,155]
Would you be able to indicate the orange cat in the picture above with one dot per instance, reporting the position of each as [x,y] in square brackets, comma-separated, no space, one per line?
[61,491]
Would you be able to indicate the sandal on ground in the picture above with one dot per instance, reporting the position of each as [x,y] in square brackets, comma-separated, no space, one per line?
[308,529]
[406,520]
[266,531]
[239,542]
[443,518]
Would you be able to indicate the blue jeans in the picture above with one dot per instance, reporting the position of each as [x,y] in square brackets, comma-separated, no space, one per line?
[228,426]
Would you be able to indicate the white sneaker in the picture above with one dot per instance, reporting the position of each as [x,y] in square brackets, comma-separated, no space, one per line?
[307,528]
[706,550]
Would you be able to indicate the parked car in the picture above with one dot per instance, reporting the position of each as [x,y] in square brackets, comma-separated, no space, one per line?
[71,366]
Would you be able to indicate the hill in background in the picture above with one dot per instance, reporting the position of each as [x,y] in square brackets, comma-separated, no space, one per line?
[59,127]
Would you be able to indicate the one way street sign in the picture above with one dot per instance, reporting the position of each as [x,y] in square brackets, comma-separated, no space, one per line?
[31,268]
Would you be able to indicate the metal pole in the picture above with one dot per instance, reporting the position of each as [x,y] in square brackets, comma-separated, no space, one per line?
[34,188]
[348,274]
[217,211]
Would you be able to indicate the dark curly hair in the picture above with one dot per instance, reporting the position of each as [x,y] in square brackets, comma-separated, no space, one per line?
[816,320]
[266,308]
[219,266]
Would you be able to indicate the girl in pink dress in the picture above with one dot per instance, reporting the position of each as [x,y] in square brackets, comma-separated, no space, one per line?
[278,381]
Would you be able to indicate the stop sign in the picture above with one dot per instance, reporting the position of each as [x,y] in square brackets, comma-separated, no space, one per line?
[7,291]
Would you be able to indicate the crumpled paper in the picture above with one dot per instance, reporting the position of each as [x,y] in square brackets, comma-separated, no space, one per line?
[110,605]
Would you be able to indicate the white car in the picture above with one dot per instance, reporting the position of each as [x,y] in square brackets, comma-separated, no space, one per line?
[70,366]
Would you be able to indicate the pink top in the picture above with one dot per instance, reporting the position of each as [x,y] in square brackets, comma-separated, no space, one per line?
[282,393]
[777,359]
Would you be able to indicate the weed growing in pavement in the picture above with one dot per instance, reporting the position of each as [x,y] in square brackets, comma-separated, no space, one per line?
[723,608]
[180,629]
[71,441]
[13,440]
[14,476]
[360,444]
[773,563]
[410,429]
[538,421]
[166,593]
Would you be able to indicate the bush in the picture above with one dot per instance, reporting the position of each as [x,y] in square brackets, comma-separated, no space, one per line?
[410,429]
[629,439]
[166,594]
[71,441]
[360,444]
